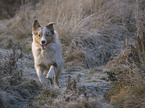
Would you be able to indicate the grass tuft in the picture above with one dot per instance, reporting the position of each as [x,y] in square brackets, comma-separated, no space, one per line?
[128,90]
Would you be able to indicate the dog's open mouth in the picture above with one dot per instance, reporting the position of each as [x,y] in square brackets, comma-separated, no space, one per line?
[43,46]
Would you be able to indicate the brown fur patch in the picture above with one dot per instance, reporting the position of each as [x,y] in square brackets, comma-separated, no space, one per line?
[37,40]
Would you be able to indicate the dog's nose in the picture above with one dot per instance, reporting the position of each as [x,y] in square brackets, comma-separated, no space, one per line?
[43,42]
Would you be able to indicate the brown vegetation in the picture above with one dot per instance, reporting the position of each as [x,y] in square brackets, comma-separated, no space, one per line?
[129,66]
[92,32]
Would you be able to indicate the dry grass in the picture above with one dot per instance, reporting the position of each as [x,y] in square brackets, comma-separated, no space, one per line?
[91,33]
[128,91]
[69,97]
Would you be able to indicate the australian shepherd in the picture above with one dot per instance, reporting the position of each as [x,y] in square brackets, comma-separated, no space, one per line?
[47,52]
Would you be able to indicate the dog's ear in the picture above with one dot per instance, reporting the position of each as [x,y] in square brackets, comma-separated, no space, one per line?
[50,26]
[36,25]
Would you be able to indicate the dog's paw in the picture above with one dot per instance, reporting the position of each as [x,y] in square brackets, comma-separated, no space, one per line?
[51,73]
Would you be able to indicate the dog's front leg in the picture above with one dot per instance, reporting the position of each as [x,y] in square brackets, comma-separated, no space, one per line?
[50,75]
[51,72]
[41,77]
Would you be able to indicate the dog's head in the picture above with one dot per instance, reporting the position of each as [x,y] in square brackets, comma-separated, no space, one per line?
[43,35]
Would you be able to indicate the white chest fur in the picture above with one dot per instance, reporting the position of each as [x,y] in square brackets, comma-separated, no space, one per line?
[45,57]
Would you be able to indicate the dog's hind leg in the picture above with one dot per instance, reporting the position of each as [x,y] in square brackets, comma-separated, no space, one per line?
[51,82]
[41,77]
[56,83]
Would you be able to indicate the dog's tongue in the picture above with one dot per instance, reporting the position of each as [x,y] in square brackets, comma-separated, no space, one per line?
[43,47]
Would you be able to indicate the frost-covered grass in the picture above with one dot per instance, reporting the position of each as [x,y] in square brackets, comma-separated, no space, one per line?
[92,32]
[15,88]
[129,66]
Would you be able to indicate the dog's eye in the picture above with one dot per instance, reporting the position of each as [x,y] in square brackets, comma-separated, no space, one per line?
[38,36]
[48,34]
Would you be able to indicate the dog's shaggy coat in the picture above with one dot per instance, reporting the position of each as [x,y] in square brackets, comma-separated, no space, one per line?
[47,52]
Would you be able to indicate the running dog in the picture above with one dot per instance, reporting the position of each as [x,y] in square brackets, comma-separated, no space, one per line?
[47,53]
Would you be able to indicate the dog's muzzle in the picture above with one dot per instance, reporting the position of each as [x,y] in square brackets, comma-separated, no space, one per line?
[43,44]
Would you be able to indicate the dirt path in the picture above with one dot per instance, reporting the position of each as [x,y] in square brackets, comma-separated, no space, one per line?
[75,78]
[93,81]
